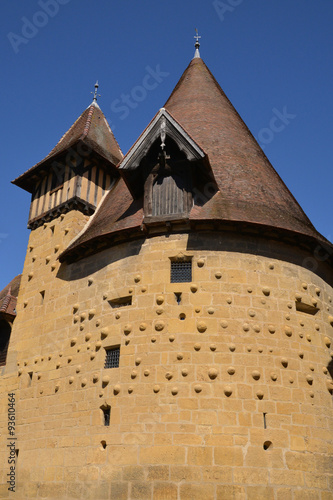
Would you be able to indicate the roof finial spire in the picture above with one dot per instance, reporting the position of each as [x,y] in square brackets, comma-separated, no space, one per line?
[197,44]
[95,93]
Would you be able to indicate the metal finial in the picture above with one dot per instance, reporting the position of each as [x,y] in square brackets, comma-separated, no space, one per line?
[95,93]
[197,44]
[162,133]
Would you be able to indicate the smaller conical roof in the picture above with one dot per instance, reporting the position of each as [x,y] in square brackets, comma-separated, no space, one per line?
[91,129]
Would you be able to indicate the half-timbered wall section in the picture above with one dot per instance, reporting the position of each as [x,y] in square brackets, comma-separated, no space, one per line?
[80,183]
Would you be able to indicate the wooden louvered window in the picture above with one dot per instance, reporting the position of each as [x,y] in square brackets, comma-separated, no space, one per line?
[169,195]
[168,184]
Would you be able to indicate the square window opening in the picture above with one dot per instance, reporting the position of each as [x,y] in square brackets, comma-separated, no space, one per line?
[181,271]
[112,357]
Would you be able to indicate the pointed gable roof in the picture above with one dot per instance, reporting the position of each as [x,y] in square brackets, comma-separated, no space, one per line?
[92,130]
[162,123]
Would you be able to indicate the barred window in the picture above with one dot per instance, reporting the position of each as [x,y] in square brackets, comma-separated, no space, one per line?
[112,357]
[181,271]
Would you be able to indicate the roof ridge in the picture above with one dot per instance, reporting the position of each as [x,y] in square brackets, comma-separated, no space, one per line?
[96,132]
[88,122]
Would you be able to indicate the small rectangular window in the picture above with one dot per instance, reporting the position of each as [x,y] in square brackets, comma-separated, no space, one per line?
[306,308]
[181,271]
[112,357]
[121,302]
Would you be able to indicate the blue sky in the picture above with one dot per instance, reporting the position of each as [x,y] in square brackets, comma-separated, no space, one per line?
[269,57]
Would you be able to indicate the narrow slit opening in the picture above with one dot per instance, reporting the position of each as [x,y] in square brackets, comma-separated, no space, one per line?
[106,411]
[265,420]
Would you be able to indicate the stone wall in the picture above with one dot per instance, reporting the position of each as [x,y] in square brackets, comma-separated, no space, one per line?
[223,392]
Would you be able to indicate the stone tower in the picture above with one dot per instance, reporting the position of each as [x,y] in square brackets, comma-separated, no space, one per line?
[174,321]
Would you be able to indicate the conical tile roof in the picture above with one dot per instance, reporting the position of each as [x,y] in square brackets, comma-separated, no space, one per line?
[250,191]
[91,129]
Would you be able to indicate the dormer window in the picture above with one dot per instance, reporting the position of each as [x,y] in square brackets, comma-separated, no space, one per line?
[168,182]
[169,195]
[164,166]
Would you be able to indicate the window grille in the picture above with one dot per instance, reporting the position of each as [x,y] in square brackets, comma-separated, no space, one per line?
[181,271]
[112,357]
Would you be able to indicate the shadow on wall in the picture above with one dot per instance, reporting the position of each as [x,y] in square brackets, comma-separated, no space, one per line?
[230,240]
[97,261]
[259,244]
[330,368]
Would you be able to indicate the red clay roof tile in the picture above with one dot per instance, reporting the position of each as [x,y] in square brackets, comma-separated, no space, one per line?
[93,130]
[250,190]
[8,296]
